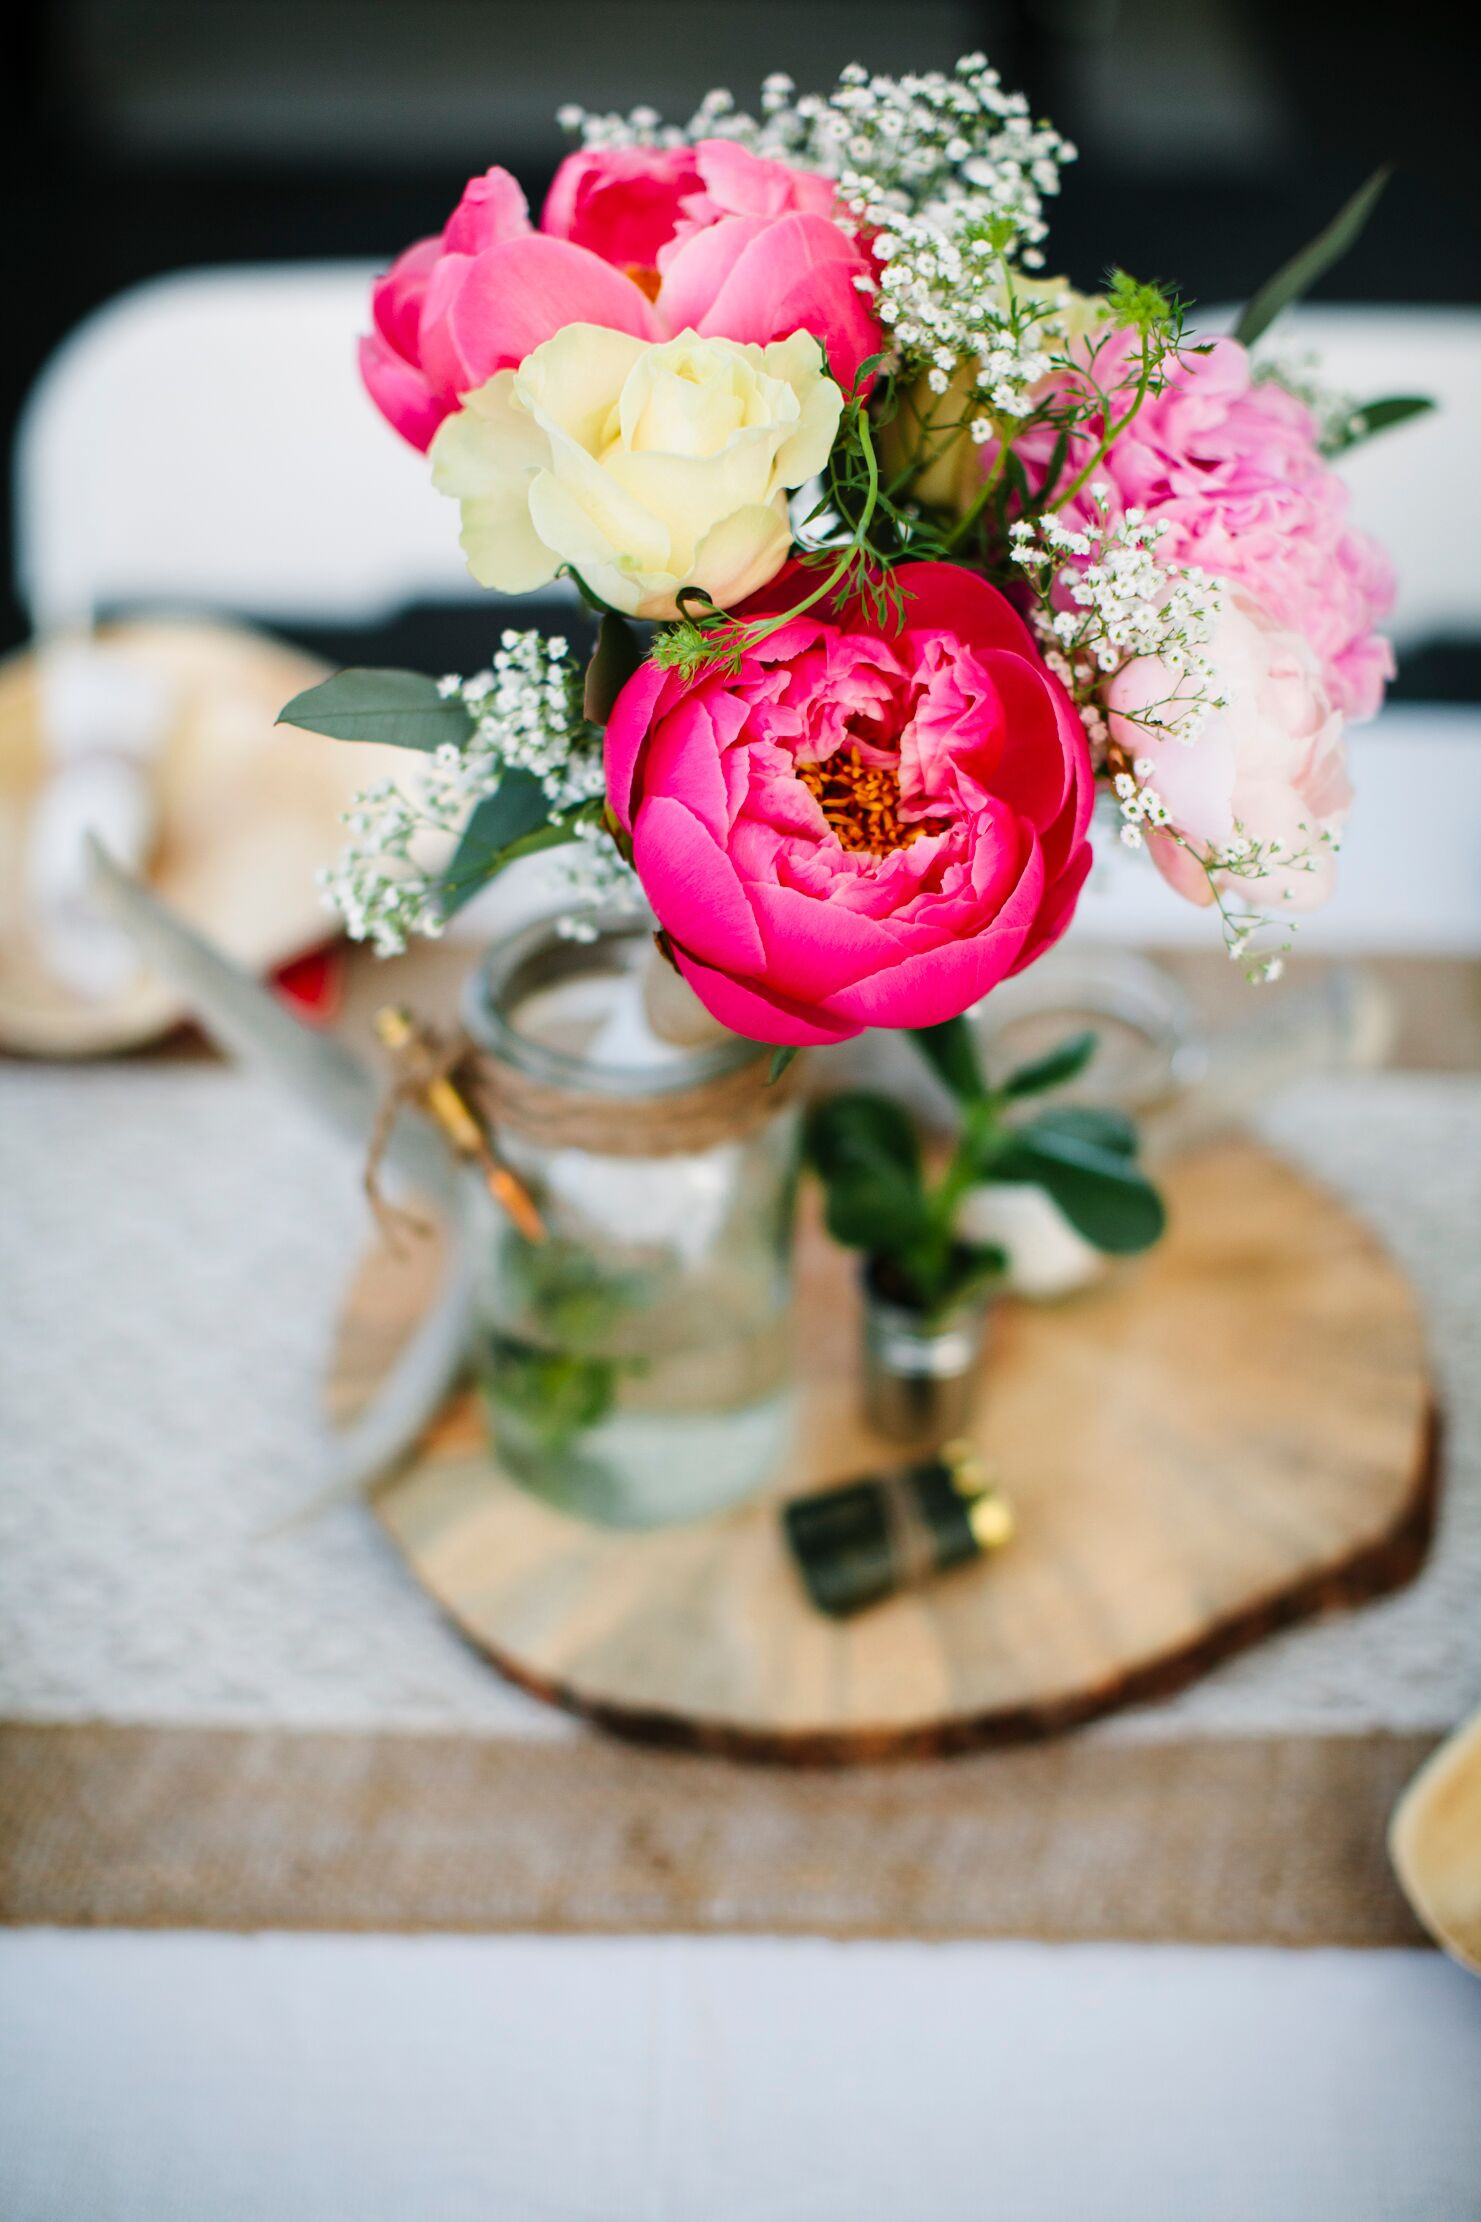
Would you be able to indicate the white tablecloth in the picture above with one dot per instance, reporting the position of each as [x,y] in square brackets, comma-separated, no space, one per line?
[360,2079]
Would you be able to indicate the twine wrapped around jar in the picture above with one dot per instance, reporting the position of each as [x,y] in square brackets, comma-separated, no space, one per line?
[716,1091]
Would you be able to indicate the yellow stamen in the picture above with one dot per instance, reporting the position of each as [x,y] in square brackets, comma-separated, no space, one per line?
[861,803]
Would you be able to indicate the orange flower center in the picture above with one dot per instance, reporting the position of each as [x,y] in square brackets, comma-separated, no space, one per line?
[861,803]
[645,279]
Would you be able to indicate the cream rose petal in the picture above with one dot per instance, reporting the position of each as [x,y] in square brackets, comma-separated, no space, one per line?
[739,555]
[572,384]
[487,457]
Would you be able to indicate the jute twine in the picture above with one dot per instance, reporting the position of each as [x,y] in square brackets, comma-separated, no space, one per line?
[677,1123]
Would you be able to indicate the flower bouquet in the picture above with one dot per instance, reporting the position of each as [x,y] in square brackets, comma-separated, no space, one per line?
[903,554]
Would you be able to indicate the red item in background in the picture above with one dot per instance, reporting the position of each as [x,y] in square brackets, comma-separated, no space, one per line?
[313,986]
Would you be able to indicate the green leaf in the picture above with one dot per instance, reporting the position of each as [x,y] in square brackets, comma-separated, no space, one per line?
[950,1050]
[1102,1195]
[1062,1063]
[1378,416]
[864,1149]
[972,1266]
[781,1057]
[617,655]
[513,821]
[401,708]
[1086,1122]
[1301,273]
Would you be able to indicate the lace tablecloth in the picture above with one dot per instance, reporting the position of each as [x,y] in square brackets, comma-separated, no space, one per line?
[173,1244]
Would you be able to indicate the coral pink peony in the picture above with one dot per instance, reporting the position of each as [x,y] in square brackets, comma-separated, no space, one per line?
[1265,780]
[857,828]
[1231,466]
[651,241]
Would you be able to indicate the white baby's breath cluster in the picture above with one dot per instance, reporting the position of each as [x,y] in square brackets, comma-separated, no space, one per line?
[897,144]
[524,712]
[1104,598]
[946,175]
[947,298]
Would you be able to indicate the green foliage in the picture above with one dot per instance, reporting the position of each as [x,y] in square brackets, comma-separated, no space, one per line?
[1094,1182]
[1061,1064]
[1379,416]
[401,708]
[617,655]
[781,1057]
[514,821]
[865,1150]
[1301,273]
[950,1050]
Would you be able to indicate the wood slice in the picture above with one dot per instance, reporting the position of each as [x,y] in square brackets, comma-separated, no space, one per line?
[1233,1434]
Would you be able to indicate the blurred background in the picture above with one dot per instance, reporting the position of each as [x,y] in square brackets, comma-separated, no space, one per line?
[145,137]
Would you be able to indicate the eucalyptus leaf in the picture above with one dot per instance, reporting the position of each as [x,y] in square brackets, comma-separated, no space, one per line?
[1301,273]
[1100,1192]
[617,655]
[513,821]
[1379,416]
[950,1050]
[1060,1064]
[864,1149]
[401,708]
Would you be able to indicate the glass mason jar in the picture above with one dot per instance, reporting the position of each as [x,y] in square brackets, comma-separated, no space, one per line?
[634,1364]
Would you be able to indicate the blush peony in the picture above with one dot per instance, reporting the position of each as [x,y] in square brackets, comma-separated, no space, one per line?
[646,468]
[857,828]
[1265,780]
[644,240]
[1231,466]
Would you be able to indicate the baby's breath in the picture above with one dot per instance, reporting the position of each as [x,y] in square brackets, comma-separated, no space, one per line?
[524,713]
[1103,599]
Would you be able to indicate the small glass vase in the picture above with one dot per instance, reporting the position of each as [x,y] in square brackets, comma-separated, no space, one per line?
[920,1367]
[634,1365]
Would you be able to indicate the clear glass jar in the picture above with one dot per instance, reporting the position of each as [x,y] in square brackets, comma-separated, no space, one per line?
[634,1365]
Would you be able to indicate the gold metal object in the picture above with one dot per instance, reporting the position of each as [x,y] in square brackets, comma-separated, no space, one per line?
[989,1514]
[397,1032]
[991,1520]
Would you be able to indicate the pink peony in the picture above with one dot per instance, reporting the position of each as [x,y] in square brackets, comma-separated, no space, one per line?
[652,241]
[1268,772]
[855,829]
[1232,467]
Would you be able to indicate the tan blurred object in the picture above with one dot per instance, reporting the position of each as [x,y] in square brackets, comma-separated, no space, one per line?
[247,814]
[1435,1844]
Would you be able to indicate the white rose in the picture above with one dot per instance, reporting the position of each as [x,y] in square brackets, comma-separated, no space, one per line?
[644,467]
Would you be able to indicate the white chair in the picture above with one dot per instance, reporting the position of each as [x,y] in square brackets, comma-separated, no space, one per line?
[205,439]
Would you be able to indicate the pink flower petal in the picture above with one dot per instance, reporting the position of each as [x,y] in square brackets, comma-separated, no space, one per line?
[691,883]
[493,207]
[400,392]
[628,727]
[747,1008]
[499,307]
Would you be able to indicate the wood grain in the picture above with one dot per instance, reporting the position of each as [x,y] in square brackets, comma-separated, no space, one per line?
[1234,1434]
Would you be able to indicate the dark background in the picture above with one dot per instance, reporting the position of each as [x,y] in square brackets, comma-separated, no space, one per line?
[143,136]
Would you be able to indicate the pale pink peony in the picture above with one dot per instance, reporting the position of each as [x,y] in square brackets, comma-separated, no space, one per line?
[1269,769]
[855,828]
[644,240]
[1231,466]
